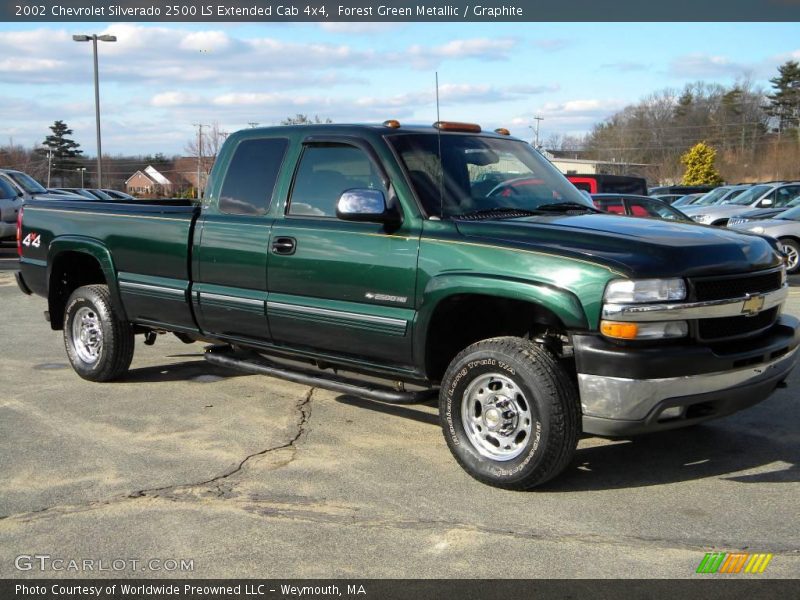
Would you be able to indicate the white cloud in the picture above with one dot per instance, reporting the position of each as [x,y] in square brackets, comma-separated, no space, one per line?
[170,99]
[706,65]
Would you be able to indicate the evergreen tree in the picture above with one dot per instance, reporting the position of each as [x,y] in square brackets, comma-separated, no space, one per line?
[65,151]
[700,169]
[784,103]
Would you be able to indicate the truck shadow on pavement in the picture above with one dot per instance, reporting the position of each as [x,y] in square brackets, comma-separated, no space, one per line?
[199,371]
[395,410]
[704,451]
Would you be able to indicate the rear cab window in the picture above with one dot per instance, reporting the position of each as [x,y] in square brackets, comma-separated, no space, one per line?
[251,176]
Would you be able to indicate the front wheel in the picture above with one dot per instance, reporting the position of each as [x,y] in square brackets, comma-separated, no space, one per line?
[792,251]
[99,342]
[509,412]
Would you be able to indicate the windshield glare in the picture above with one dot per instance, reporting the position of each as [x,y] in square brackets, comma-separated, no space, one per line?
[27,183]
[711,197]
[790,215]
[481,174]
[750,196]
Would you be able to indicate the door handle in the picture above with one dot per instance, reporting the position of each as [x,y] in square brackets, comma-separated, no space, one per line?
[284,245]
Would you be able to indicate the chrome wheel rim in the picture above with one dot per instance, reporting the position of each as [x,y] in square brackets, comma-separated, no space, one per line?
[87,335]
[791,256]
[497,417]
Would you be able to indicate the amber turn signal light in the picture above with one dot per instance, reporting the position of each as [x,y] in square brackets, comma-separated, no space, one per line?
[619,330]
[455,126]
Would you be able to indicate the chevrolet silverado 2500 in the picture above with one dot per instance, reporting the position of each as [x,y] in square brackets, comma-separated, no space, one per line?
[399,252]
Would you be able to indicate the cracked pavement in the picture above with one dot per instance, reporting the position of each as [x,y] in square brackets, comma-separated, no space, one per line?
[255,477]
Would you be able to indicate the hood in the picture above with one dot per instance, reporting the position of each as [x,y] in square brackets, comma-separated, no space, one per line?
[720,210]
[636,246]
[762,213]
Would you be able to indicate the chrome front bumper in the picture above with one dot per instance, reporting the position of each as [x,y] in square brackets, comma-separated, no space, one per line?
[620,406]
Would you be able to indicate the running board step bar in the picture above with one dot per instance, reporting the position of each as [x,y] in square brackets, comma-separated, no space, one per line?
[336,383]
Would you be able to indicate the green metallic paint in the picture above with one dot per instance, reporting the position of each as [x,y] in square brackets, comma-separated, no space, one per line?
[315,303]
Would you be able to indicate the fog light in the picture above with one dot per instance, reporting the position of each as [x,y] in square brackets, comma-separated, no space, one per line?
[674,412]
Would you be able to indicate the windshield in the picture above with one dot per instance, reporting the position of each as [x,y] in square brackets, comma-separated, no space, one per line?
[792,214]
[711,197]
[27,183]
[482,174]
[750,196]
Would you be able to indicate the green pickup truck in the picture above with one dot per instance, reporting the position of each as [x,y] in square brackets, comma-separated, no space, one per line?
[399,263]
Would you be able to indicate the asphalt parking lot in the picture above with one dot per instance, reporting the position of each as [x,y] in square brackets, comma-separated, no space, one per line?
[254,477]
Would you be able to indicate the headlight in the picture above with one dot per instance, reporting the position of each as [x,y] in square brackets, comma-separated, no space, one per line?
[758,229]
[624,291]
[657,330]
[702,218]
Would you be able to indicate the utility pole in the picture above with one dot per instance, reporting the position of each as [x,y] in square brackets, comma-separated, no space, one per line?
[49,164]
[536,139]
[94,39]
[199,155]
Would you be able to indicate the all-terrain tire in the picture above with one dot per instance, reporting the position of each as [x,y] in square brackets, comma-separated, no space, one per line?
[99,342]
[510,413]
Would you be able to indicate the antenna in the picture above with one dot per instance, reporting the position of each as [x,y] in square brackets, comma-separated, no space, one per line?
[441,164]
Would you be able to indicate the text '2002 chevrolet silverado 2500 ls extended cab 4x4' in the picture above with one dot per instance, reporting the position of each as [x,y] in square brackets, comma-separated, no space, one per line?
[408,254]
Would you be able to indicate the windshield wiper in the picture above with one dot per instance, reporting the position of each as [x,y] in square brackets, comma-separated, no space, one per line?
[505,212]
[565,206]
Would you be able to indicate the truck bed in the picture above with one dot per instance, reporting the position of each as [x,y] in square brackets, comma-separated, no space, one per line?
[148,243]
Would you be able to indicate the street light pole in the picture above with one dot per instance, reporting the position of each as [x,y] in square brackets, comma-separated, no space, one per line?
[81,169]
[94,39]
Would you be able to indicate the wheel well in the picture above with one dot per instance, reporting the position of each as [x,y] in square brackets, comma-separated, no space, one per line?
[464,319]
[70,270]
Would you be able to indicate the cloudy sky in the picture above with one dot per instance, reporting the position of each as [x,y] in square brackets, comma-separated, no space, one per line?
[159,79]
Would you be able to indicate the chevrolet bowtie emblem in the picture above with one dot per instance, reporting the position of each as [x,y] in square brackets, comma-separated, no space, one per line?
[752,305]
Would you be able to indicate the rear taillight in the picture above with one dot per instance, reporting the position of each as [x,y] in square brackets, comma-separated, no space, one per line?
[19,232]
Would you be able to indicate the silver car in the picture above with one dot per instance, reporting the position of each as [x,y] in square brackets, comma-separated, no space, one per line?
[763,195]
[785,228]
[720,195]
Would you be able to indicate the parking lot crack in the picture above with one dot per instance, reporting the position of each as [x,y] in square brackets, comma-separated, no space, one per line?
[219,486]
[304,415]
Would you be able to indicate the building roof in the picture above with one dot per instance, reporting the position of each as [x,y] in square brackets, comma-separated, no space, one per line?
[153,174]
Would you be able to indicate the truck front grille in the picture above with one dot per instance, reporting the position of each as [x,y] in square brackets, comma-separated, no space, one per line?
[732,327]
[735,286]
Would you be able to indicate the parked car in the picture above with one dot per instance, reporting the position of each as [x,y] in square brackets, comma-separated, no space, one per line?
[765,195]
[10,203]
[609,184]
[720,195]
[26,186]
[638,206]
[117,195]
[669,198]
[534,318]
[88,193]
[763,213]
[687,200]
[785,228]
[680,189]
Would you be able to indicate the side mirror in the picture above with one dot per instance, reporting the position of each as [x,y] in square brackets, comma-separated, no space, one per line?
[364,205]
[766,202]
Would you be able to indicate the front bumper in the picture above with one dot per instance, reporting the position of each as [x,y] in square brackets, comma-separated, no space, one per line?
[626,390]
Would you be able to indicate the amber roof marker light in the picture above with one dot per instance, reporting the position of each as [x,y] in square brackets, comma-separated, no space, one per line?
[502,131]
[456,126]
[393,123]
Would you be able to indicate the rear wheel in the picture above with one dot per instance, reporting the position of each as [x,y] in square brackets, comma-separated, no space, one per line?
[99,343]
[792,251]
[510,413]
